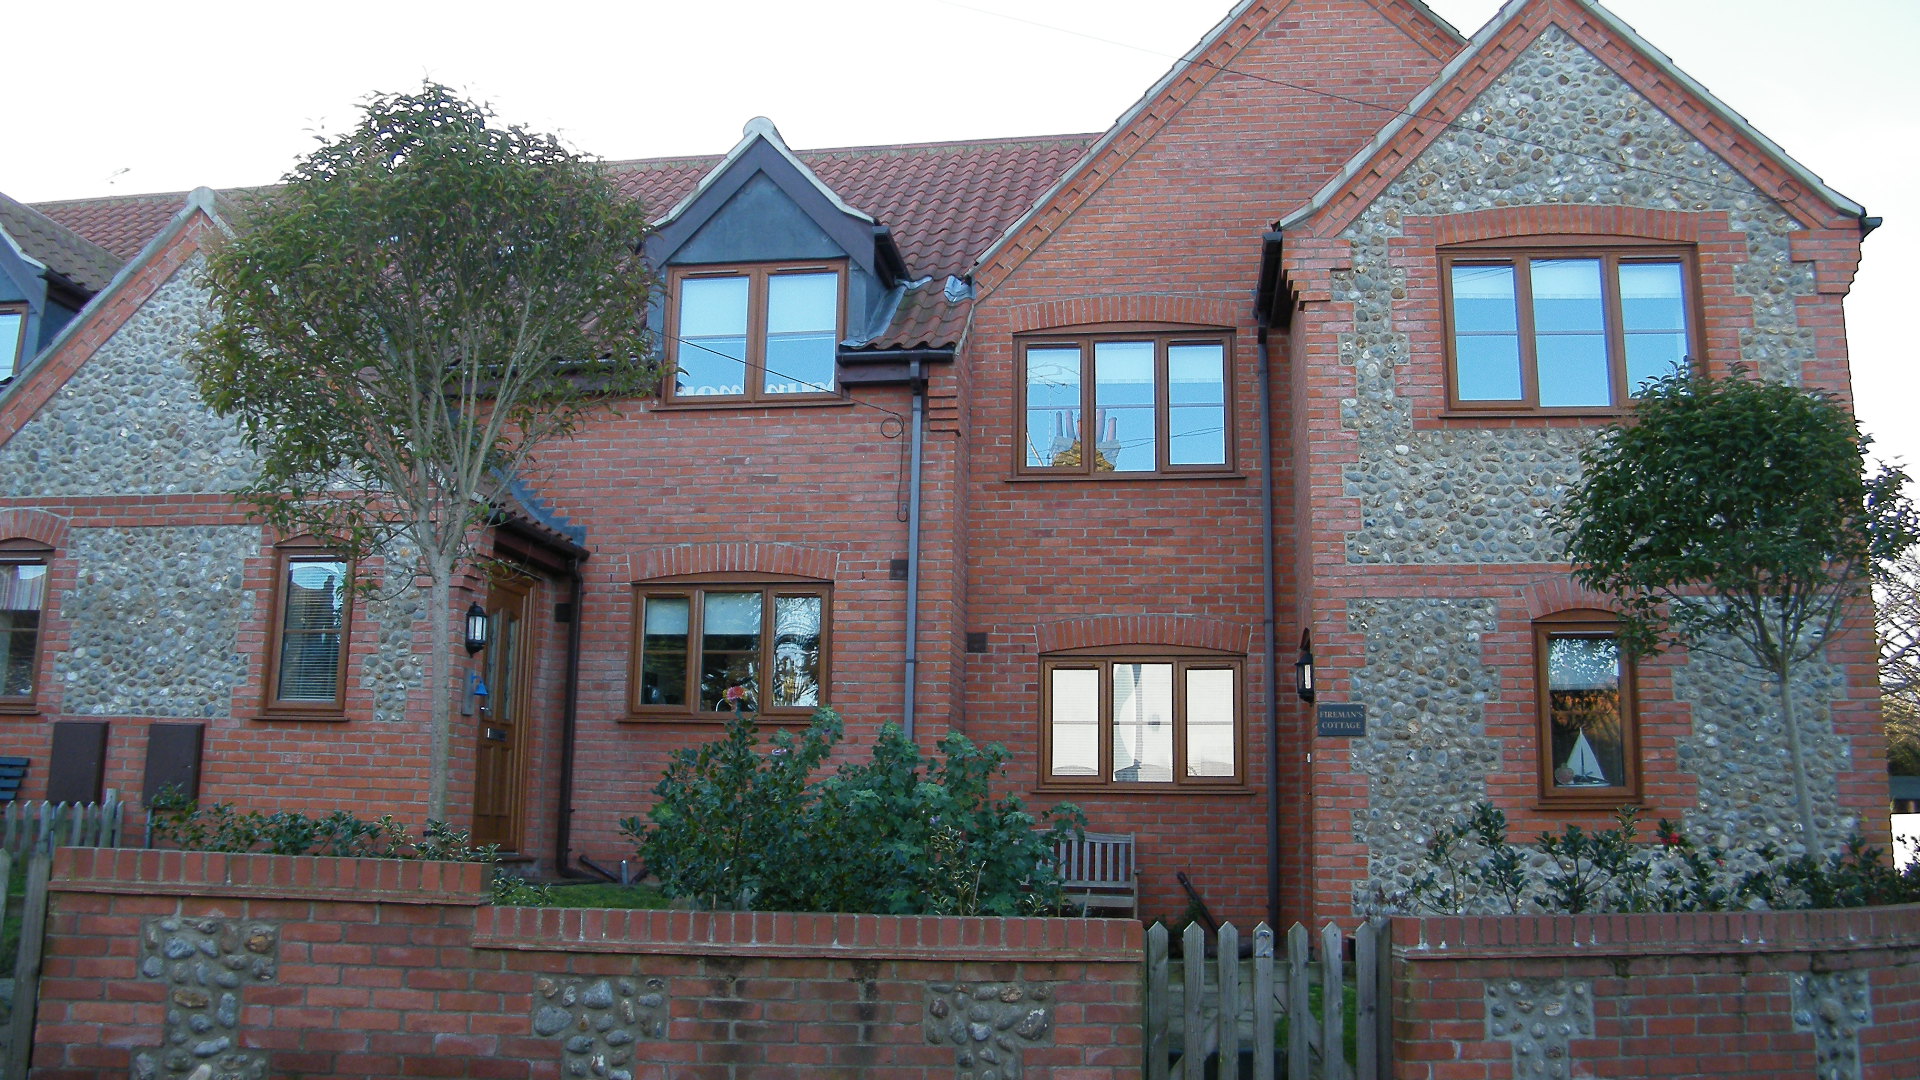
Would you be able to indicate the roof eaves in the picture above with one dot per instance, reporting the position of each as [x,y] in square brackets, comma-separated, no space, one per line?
[1113,132]
[760,128]
[1479,42]
[199,200]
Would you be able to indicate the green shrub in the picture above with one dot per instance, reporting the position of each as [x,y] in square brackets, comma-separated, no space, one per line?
[184,824]
[738,827]
[1471,866]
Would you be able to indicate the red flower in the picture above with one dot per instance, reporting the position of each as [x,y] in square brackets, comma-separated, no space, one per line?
[736,693]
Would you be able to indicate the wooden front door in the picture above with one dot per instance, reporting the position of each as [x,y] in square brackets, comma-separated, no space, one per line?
[506,665]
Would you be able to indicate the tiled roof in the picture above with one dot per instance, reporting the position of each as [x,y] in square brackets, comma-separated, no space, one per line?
[63,250]
[945,202]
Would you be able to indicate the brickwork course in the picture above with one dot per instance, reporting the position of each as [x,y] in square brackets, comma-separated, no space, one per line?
[1412,542]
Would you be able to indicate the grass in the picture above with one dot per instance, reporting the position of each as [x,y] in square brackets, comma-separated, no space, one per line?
[605,894]
[1350,1012]
[10,929]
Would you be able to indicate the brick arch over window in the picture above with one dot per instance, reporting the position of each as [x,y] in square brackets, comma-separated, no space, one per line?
[1517,221]
[747,558]
[1550,595]
[1192,631]
[35,525]
[1185,310]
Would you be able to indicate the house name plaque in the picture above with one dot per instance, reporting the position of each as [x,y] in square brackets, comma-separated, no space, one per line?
[1341,721]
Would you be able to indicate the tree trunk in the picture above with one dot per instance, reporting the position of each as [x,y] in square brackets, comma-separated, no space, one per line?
[1810,834]
[439,663]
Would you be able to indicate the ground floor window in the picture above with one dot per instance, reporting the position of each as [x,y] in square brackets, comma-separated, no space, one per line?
[1587,741]
[1141,720]
[706,649]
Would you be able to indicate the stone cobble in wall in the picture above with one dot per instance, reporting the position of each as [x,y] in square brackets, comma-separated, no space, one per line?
[129,421]
[153,616]
[988,1024]
[207,965]
[598,1021]
[1426,753]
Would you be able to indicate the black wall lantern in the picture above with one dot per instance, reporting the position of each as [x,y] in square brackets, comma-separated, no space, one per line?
[476,628]
[1303,667]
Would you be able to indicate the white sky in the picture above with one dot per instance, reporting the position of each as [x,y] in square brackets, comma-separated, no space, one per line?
[124,98]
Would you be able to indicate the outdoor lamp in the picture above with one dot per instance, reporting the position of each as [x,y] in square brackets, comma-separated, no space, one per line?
[1303,667]
[476,628]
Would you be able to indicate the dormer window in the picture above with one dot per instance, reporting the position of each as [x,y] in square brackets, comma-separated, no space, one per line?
[13,339]
[757,333]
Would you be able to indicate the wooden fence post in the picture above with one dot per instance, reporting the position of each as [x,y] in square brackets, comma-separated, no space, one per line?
[26,969]
[1157,1028]
[1263,1002]
[1229,968]
[1299,1009]
[1366,1001]
[1193,967]
[1382,977]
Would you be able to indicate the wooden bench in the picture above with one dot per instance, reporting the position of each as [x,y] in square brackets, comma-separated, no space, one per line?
[13,770]
[1098,871]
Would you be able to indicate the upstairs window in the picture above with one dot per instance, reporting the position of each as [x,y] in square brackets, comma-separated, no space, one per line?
[23,596]
[312,612]
[1565,329]
[1115,405]
[13,339]
[761,334]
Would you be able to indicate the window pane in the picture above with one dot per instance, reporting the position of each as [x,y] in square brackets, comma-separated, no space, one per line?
[314,600]
[1053,407]
[663,651]
[1125,405]
[796,650]
[22,593]
[802,319]
[711,354]
[1583,676]
[1570,337]
[1653,311]
[1196,405]
[1143,723]
[11,325]
[1076,722]
[1210,743]
[1486,320]
[730,649]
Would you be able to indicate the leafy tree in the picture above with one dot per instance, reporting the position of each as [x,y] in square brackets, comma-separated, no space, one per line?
[1898,594]
[427,300]
[1737,517]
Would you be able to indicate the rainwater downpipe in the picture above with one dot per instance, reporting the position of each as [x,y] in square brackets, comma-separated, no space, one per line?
[912,665]
[1269,656]
[569,722]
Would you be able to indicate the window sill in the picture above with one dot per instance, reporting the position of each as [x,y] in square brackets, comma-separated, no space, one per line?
[1606,801]
[1134,791]
[19,708]
[714,720]
[1568,417]
[736,404]
[1121,478]
[276,715]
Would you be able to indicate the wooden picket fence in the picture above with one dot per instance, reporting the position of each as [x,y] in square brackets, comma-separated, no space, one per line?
[42,826]
[1229,1009]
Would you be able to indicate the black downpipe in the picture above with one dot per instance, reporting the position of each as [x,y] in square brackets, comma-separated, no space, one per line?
[1270,658]
[569,722]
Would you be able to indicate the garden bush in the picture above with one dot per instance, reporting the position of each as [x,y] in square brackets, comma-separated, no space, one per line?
[740,827]
[1472,867]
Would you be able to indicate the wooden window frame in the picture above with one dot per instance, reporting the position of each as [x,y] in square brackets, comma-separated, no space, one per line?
[758,275]
[1103,660]
[24,552]
[1591,624]
[272,706]
[20,356]
[1085,339]
[692,588]
[1612,251]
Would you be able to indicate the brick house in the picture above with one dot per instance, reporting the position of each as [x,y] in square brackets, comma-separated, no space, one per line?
[1076,444]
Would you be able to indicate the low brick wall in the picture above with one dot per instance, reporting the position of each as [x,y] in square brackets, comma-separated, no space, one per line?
[271,966]
[1832,994]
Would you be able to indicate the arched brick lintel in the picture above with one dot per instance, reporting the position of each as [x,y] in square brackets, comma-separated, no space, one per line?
[1549,595]
[1099,631]
[1187,310]
[743,558]
[38,525]
[1680,227]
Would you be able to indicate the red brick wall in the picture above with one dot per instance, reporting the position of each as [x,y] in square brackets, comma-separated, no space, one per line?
[396,969]
[1672,995]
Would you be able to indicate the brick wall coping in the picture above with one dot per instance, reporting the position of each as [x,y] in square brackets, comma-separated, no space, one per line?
[277,877]
[1692,933]
[788,934]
